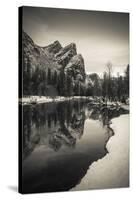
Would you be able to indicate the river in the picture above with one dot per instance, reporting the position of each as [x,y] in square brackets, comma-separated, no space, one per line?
[61,142]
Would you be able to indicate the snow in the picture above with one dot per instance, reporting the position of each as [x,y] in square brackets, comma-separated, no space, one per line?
[112,171]
[46,99]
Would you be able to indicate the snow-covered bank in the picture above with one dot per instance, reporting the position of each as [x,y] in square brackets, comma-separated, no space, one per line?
[113,170]
[46,99]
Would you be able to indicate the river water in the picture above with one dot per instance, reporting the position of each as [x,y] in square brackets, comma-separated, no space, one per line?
[60,143]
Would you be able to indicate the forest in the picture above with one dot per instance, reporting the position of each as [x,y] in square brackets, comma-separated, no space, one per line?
[42,82]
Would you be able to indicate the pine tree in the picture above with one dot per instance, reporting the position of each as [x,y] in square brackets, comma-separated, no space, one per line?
[49,76]
[69,86]
[127,81]
[61,83]
[28,77]
[55,78]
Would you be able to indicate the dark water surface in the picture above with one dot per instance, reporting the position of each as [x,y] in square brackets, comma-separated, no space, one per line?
[60,142]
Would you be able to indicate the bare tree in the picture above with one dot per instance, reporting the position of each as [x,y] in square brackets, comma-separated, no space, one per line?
[109,82]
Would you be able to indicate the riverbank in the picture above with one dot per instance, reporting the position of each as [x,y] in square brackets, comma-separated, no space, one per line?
[112,171]
[47,99]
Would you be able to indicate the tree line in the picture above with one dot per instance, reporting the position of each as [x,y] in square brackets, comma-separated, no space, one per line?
[110,88]
[37,82]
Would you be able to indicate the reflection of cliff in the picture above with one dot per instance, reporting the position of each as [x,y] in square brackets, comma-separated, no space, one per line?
[53,125]
[77,124]
[60,138]
[68,134]
[61,124]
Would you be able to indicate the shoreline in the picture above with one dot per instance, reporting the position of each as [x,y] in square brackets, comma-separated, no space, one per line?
[45,99]
[112,171]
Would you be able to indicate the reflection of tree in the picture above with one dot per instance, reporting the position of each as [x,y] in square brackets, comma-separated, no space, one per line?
[61,124]
[29,140]
[53,124]
[105,113]
[54,142]
[71,123]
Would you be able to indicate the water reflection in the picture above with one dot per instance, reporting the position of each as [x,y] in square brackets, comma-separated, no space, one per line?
[60,141]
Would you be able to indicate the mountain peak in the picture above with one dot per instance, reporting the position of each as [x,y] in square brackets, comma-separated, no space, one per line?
[65,54]
[54,48]
[71,47]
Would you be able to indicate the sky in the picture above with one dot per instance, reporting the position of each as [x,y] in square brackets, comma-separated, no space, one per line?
[100,37]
